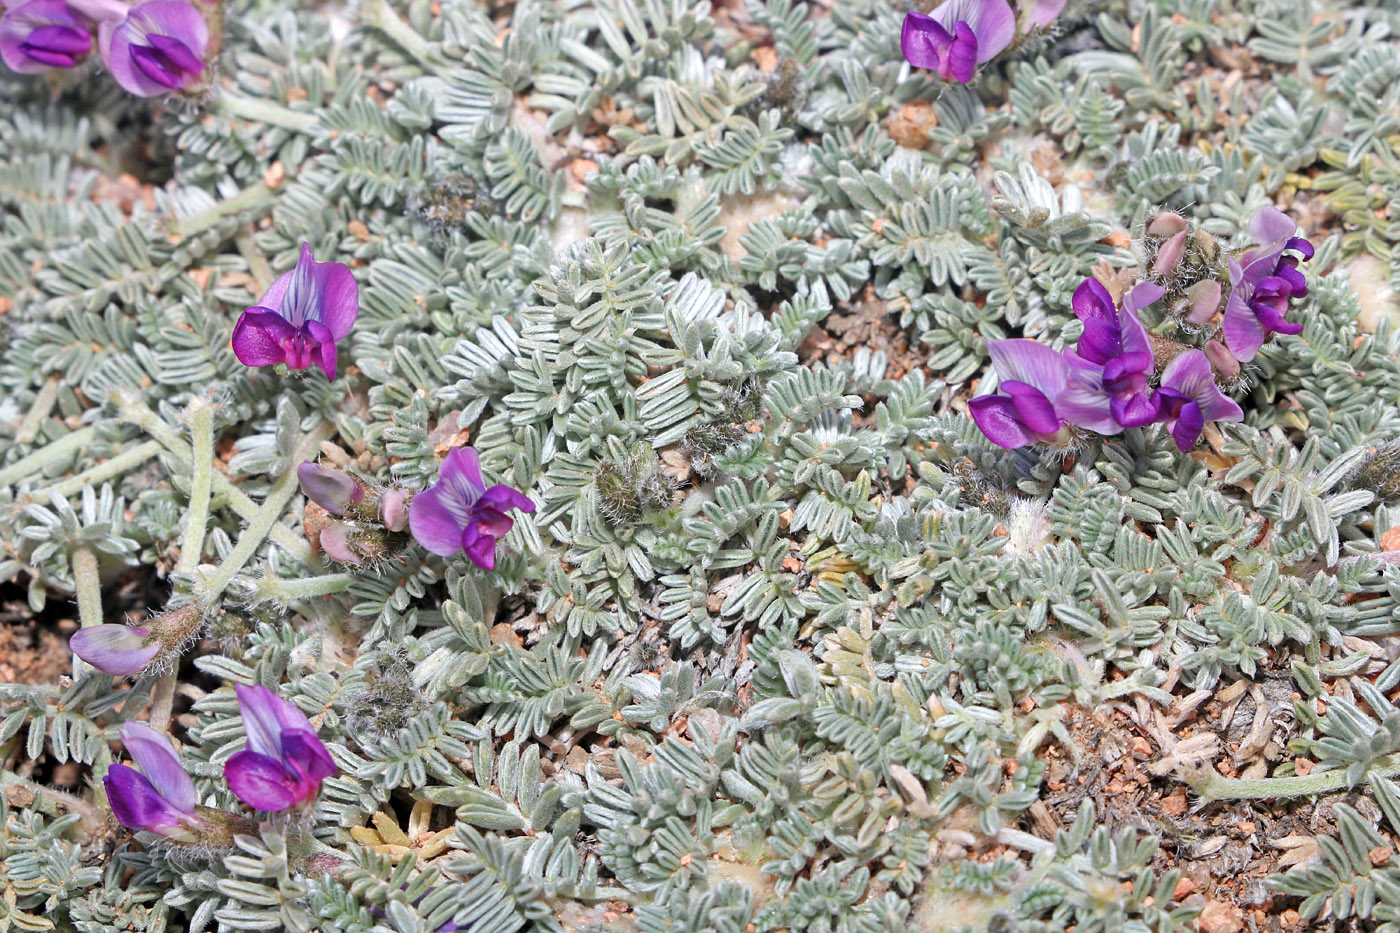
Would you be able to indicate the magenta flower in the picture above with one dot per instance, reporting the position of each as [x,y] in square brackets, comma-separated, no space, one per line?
[1189,398]
[158,47]
[160,797]
[1032,377]
[1261,283]
[300,318]
[331,490]
[43,34]
[285,762]
[1107,389]
[119,650]
[958,36]
[459,513]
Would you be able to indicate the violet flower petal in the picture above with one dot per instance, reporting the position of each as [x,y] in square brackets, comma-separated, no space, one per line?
[434,520]
[393,508]
[42,34]
[995,416]
[1244,334]
[961,63]
[138,805]
[118,650]
[1189,424]
[993,22]
[259,781]
[924,41]
[158,762]
[1028,361]
[307,756]
[262,722]
[1035,410]
[260,337]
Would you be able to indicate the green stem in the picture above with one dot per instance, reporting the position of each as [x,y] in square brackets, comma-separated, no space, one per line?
[290,591]
[1212,786]
[261,524]
[202,478]
[136,412]
[380,14]
[27,466]
[257,264]
[43,404]
[265,111]
[88,583]
[253,198]
[104,471]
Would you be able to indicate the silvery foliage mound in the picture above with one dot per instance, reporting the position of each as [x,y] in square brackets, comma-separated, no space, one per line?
[776,625]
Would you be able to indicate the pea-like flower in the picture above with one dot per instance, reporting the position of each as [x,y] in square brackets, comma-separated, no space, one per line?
[125,650]
[160,797]
[119,650]
[43,34]
[1189,399]
[1032,378]
[1262,281]
[285,762]
[158,47]
[958,36]
[1107,387]
[331,490]
[458,512]
[300,318]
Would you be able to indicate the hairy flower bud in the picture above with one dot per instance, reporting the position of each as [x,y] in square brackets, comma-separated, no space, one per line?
[125,650]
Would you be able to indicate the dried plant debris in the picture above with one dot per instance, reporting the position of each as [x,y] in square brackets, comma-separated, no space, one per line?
[659,466]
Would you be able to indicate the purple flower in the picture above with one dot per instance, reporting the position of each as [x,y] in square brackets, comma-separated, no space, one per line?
[300,318]
[1107,389]
[958,36]
[333,491]
[160,797]
[119,650]
[158,47]
[43,34]
[285,762]
[1261,282]
[459,513]
[1032,377]
[1189,398]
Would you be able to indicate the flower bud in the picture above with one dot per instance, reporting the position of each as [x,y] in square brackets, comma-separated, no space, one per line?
[1167,224]
[335,541]
[1169,254]
[125,650]
[393,508]
[1203,300]
[1223,361]
[333,491]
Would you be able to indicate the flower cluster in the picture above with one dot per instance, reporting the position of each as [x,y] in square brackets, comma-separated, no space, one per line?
[150,48]
[282,768]
[960,35]
[1102,385]
[369,521]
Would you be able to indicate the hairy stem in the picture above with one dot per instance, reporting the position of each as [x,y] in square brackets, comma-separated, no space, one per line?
[260,525]
[43,404]
[1211,786]
[254,197]
[289,591]
[202,430]
[32,464]
[88,583]
[381,15]
[126,460]
[265,111]
[136,412]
